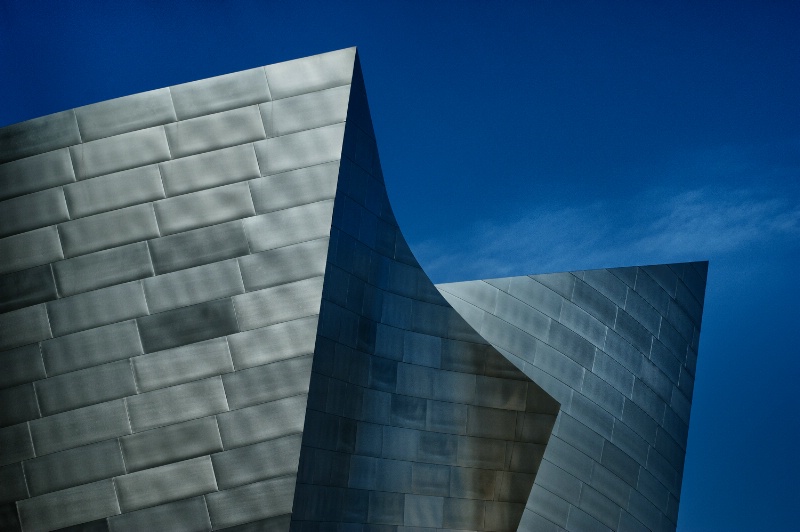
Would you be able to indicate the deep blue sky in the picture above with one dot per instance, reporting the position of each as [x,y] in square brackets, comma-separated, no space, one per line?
[531,137]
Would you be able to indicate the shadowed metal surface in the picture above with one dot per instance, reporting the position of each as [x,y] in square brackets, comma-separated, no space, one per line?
[413,420]
[618,349]
[210,319]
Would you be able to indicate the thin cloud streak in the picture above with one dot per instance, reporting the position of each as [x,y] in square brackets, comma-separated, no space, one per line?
[653,228]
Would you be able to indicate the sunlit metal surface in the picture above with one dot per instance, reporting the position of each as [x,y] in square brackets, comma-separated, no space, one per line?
[210,318]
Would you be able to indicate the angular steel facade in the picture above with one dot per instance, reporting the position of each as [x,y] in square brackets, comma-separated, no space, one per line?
[211,320]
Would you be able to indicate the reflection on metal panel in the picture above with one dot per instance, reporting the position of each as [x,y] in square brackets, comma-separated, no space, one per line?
[209,318]
[617,347]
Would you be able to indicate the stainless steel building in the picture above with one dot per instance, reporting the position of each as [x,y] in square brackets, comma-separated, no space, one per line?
[211,320]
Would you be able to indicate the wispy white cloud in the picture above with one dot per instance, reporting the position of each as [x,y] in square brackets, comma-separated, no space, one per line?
[652,228]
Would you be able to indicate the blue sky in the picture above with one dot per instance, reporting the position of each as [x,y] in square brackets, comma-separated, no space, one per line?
[528,137]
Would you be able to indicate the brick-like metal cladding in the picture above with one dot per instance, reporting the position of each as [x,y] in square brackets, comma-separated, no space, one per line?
[209,318]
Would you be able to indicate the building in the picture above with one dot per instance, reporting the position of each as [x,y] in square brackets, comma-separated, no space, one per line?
[211,320]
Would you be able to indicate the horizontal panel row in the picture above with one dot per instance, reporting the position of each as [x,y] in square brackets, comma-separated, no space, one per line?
[39,135]
[398,443]
[144,110]
[36,173]
[145,498]
[189,325]
[97,266]
[32,211]
[141,184]
[377,474]
[377,508]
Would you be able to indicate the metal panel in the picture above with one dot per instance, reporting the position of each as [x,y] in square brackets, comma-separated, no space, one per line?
[39,135]
[599,506]
[85,387]
[107,230]
[558,365]
[386,508]
[610,485]
[430,479]
[307,111]
[33,248]
[176,404]
[165,484]
[15,444]
[120,152]
[422,349]
[284,265]
[99,307]
[35,173]
[68,507]
[121,115]
[12,484]
[220,93]
[114,191]
[172,443]
[19,404]
[583,323]
[187,325]
[500,393]
[276,342]
[491,423]
[201,246]
[613,373]
[23,326]
[251,502]
[268,383]
[462,514]
[190,515]
[480,294]
[472,483]
[607,284]
[278,304]
[26,287]
[103,268]
[212,132]
[32,211]
[208,170]
[195,285]
[602,393]
[262,422]
[289,226]
[481,452]
[423,510]
[297,187]
[273,458]
[207,207]
[595,303]
[298,150]
[644,510]
[91,348]
[82,465]
[446,417]
[561,283]
[643,312]
[79,427]
[21,365]
[182,364]
[311,73]
[521,315]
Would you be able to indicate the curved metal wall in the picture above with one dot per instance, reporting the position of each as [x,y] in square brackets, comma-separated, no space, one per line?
[618,349]
[413,419]
[209,319]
